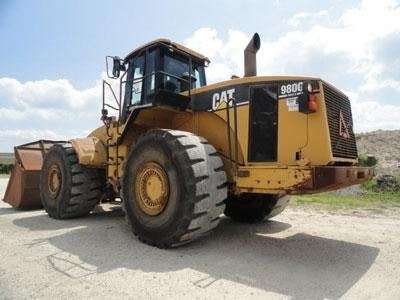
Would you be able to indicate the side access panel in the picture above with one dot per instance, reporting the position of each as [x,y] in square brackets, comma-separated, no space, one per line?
[263,127]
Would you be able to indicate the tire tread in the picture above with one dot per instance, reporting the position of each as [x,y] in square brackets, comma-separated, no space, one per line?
[84,188]
[206,178]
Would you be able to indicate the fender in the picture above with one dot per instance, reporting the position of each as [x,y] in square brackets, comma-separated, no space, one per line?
[91,151]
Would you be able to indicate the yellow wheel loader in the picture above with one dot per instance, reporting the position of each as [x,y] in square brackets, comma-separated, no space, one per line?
[180,153]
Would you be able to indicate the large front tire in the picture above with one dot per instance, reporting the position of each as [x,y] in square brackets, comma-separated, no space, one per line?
[68,189]
[173,188]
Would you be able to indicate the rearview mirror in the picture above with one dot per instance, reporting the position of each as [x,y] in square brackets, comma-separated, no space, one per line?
[117,66]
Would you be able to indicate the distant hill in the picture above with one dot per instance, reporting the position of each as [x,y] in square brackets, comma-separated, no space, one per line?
[384,145]
[6,158]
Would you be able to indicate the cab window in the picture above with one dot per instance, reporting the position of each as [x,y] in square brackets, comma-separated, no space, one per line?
[137,73]
[151,72]
[177,74]
[200,76]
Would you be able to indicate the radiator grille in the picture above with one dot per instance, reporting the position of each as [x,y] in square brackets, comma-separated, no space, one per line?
[338,104]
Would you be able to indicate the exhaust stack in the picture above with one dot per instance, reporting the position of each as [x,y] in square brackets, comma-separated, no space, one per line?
[250,61]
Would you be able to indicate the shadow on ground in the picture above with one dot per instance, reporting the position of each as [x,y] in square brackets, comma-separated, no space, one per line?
[12,211]
[300,266]
[8,211]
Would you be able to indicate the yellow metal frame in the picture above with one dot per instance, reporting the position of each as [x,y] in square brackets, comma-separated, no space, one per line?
[307,134]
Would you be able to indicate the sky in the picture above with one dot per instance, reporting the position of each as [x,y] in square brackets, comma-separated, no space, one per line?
[52,55]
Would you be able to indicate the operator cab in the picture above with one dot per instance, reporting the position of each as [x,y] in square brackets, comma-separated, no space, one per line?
[158,73]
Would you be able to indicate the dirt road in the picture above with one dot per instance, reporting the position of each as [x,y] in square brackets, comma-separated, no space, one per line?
[301,255]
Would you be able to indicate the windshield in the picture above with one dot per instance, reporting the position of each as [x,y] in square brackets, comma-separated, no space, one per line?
[177,71]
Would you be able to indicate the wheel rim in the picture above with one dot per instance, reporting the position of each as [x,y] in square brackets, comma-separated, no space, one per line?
[151,188]
[54,180]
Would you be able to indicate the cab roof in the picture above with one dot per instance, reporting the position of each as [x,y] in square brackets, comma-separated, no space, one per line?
[169,43]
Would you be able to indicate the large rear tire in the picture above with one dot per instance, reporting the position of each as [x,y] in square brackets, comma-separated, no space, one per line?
[68,189]
[253,208]
[173,188]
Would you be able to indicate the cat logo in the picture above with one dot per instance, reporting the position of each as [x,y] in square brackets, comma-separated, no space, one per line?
[221,99]
[343,127]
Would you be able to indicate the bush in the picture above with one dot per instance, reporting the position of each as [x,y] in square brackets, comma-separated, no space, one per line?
[383,183]
[367,160]
[387,183]
[369,185]
[5,168]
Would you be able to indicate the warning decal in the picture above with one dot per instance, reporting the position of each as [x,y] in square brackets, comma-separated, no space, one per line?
[293,104]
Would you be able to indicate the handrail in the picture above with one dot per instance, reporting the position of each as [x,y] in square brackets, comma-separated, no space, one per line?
[228,127]
[107,122]
[233,159]
[110,106]
[112,91]
[236,133]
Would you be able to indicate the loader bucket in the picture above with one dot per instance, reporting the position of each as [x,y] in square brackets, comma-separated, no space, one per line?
[23,186]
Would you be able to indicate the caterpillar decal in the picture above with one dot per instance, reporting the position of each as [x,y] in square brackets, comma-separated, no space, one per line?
[217,99]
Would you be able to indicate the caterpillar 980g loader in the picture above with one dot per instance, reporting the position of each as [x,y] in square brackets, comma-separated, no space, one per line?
[180,153]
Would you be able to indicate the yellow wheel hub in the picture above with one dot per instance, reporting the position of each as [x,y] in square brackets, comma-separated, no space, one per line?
[54,180]
[151,188]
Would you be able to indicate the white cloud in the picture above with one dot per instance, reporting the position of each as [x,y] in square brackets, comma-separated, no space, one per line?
[30,135]
[205,41]
[373,84]
[50,93]
[341,52]
[306,17]
[12,137]
[371,115]
[52,109]
[354,36]
[7,114]
[216,71]
[226,56]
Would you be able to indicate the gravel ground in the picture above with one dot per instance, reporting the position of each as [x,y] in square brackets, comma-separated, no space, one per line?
[302,254]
